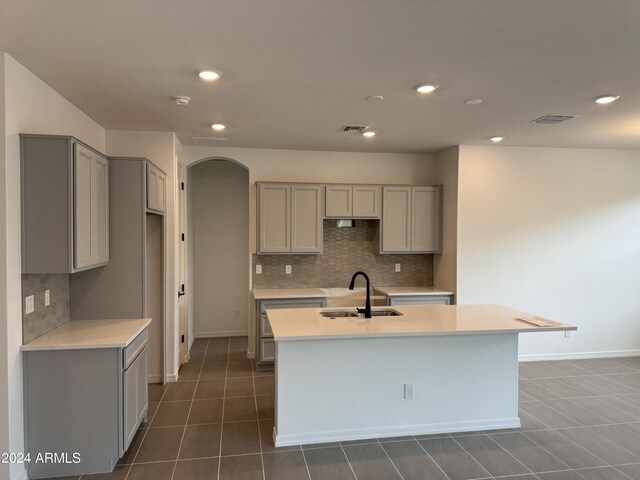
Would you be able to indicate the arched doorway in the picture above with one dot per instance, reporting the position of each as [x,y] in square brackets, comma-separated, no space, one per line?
[218,215]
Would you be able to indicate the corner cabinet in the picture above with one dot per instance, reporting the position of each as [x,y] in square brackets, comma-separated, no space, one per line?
[289,218]
[65,205]
[410,220]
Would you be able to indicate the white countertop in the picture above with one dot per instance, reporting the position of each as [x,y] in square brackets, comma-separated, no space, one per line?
[80,334]
[411,291]
[307,324]
[275,293]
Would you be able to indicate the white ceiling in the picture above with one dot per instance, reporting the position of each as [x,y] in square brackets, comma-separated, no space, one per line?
[295,71]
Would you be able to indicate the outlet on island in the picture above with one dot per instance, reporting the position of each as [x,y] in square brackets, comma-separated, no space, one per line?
[408,391]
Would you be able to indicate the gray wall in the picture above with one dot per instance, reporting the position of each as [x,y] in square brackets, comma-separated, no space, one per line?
[219,210]
[44,319]
[346,250]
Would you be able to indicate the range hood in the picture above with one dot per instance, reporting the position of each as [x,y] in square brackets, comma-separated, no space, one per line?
[347,222]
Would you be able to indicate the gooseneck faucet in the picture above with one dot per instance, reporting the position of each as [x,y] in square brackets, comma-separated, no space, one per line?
[367,305]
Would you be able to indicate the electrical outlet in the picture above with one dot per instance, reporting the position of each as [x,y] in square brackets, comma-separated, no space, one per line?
[258,269]
[287,269]
[409,391]
[398,268]
[47,298]
[29,304]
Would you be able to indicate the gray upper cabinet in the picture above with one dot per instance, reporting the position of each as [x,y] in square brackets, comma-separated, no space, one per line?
[289,218]
[156,189]
[410,220]
[352,201]
[65,205]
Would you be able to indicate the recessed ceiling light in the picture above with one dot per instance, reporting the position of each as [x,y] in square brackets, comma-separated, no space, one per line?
[496,139]
[369,134]
[181,100]
[210,75]
[426,87]
[605,99]
[218,127]
[473,101]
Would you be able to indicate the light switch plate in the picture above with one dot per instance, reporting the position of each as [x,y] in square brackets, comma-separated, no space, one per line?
[287,269]
[258,269]
[28,304]
[47,298]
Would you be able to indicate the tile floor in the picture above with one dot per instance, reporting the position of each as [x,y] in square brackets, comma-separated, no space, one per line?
[580,420]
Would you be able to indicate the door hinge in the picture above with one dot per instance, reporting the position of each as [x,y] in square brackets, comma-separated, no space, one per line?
[181,185]
[181,338]
[182,236]
[181,292]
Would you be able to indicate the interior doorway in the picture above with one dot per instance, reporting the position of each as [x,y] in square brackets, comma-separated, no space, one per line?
[218,212]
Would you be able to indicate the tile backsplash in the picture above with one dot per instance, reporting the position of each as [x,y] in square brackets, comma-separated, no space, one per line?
[44,319]
[346,250]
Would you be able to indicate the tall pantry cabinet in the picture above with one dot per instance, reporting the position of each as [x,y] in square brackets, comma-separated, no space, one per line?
[132,284]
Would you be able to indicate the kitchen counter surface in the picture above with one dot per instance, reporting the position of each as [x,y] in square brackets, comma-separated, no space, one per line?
[275,293]
[83,334]
[411,291]
[418,320]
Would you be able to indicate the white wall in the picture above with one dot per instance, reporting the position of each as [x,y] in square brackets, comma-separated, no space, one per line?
[162,149]
[219,205]
[446,174]
[31,106]
[555,232]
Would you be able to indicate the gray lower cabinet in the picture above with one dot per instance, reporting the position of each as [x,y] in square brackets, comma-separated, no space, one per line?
[65,205]
[420,300]
[265,346]
[88,402]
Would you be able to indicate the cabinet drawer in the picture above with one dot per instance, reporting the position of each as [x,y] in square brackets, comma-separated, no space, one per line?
[265,326]
[292,303]
[131,352]
[421,300]
[267,351]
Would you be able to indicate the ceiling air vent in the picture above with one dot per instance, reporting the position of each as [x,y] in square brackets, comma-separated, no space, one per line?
[553,119]
[355,128]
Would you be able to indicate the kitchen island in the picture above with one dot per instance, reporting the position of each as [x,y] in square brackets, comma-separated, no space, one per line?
[433,369]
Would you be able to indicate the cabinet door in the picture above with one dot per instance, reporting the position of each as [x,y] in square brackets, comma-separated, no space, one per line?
[396,219]
[142,386]
[339,201]
[82,183]
[366,201]
[274,223]
[130,403]
[425,219]
[306,218]
[156,189]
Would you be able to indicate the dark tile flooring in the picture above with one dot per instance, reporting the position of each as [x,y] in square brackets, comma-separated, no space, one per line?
[580,421]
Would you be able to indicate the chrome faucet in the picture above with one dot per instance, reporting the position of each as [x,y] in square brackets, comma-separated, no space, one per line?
[367,305]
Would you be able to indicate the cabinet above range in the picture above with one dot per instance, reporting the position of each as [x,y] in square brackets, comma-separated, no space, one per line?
[290,215]
[65,205]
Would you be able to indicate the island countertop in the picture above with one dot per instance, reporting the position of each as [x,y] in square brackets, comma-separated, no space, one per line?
[82,334]
[416,320]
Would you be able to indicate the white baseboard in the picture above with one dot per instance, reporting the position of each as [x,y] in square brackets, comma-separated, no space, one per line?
[191,342]
[154,378]
[238,333]
[578,355]
[251,355]
[173,377]
[395,431]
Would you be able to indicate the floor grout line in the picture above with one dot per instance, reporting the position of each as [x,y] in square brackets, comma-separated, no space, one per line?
[224,392]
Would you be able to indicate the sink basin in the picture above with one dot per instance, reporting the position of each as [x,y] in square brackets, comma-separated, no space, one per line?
[338,314]
[385,313]
[374,313]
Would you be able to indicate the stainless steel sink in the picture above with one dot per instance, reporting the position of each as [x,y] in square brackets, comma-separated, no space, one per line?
[385,313]
[338,314]
[374,313]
